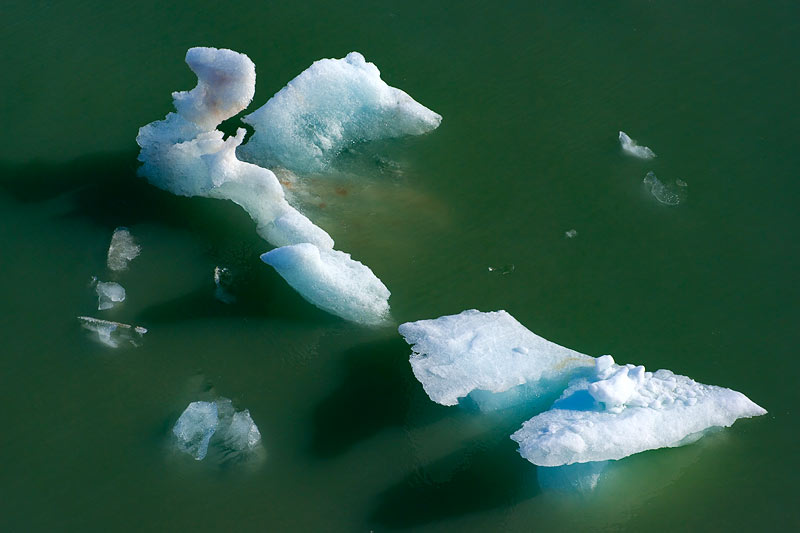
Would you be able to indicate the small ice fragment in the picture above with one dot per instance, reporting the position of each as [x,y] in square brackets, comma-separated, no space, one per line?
[332,281]
[112,333]
[122,249]
[628,411]
[570,234]
[242,433]
[629,146]
[666,194]
[195,427]
[332,104]
[109,293]
[505,269]
[222,280]
[485,354]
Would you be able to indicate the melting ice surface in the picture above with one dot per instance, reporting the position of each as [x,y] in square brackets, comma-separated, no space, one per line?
[666,194]
[122,249]
[621,410]
[203,423]
[332,281]
[330,105]
[109,293]
[113,333]
[629,146]
[486,354]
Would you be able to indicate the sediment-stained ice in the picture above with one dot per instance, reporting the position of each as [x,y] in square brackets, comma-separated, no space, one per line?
[490,357]
[629,146]
[122,250]
[330,105]
[195,427]
[185,155]
[218,424]
[620,410]
[332,281]
[113,333]
[109,294]
[666,194]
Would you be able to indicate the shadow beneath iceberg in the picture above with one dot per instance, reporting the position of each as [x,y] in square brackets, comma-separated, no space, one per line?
[375,393]
[482,476]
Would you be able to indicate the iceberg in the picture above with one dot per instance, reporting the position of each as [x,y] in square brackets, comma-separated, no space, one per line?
[332,281]
[332,104]
[216,423]
[620,410]
[630,147]
[185,155]
[109,293]
[666,194]
[113,333]
[122,250]
[490,357]
[195,427]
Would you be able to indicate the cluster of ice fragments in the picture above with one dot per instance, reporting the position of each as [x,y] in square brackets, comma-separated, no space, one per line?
[332,104]
[203,423]
[666,194]
[608,411]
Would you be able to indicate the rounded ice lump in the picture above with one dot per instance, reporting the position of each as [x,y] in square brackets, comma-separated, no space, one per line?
[484,354]
[331,104]
[621,410]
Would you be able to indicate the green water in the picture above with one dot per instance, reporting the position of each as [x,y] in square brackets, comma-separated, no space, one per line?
[532,95]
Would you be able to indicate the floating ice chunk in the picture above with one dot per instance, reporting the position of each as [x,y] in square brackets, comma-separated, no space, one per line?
[332,281]
[330,105]
[242,433]
[622,410]
[629,146]
[109,293]
[226,83]
[122,249]
[222,279]
[195,427]
[504,269]
[571,234]
[112,333]
[666,194]
[475,353]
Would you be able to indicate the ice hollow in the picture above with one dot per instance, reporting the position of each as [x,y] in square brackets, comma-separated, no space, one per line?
[620,410]
[332,281]
[109,294]
[490,357]
[122,250]
[630,147]
[330,105]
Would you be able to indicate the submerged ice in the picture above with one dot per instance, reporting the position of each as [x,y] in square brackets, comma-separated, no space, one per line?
[330,105]
[202,423]
[112,334]
[666,194]
[620,410]
[485,354]
[122,250]
[630,147]
[332,281]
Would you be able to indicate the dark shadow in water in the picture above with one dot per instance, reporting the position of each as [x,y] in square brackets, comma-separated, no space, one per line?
[484,475]
[374,394]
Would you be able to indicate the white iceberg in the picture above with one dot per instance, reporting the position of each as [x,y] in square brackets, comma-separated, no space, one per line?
[629,146]
[666,194]
[122,249]
[109,294]
[332,281]
[330,105]
[623,410]
[490,357]
[217,424]
[195,427]
[113,333]
[185,155]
